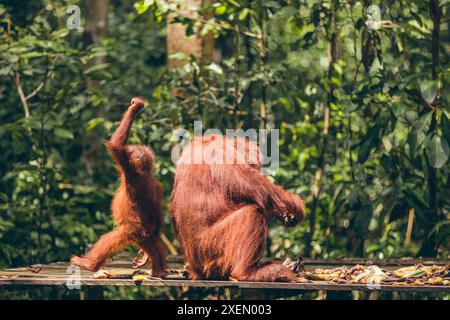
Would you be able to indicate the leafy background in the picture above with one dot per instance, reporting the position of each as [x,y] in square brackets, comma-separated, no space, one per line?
[363,117]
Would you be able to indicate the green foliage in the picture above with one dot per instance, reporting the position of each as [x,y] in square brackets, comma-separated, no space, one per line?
[57,179]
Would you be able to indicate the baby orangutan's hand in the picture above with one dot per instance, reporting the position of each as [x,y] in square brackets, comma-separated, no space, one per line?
[137,104]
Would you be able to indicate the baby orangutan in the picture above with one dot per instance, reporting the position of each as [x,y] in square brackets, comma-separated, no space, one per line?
[136,207]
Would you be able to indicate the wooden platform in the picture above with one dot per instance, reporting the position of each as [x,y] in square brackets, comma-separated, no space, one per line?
[56,274]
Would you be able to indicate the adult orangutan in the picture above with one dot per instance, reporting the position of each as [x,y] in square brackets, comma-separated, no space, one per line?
[136,207]
[220,210]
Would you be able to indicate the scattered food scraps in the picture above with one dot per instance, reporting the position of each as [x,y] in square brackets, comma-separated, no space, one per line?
[417,275]
[413,275]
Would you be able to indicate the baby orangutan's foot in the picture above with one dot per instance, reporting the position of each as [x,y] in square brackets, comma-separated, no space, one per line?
[159,274]
[142,261]
[83,263]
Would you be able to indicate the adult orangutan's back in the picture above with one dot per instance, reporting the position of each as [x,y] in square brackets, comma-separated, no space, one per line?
[219,206]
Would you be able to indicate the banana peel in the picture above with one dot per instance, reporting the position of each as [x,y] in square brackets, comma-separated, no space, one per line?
[141,277]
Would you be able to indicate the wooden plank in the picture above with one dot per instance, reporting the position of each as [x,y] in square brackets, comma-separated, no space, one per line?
[55,274]
[317,285]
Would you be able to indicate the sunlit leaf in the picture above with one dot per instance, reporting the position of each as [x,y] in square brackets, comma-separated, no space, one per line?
[428,89]
[63,133]
[437,151]
[221,10]
[216,68]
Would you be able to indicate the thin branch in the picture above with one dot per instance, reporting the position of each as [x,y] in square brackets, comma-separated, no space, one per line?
[22,96]
[237,74]
[42,84]
[24,99]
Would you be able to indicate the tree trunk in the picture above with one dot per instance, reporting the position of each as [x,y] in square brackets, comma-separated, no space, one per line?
[177,42]
[96,23]
[95,28]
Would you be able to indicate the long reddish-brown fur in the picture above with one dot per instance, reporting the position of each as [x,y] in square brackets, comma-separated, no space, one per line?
[220,211]
[136,206]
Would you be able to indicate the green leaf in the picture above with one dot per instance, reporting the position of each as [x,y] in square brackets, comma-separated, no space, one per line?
[437,152]
[63,133]
[221,10]
[415,199]
[271,4]
[445,126]
[387,142]
[418,134]
[350,107]
[101,75]
[142,6]
[96,67]
[243,14]
[178,56]
[423,123]
[369,141]
[215,68]
[61,33]
[5,70]
[428,89]
[93,123]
